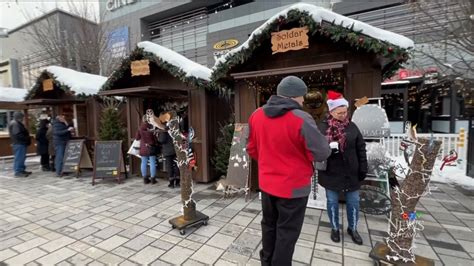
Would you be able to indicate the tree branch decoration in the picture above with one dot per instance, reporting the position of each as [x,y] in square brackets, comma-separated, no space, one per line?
[184,157]
[337,33]
[405,198]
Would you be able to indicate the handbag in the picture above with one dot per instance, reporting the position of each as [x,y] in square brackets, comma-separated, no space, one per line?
[135,148]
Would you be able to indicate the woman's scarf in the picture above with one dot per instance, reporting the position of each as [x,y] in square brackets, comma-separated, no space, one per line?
[336,131]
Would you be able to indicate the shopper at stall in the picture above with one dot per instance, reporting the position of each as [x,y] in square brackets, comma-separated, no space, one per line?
[20,137]
[170,157]
[42,144]
[51,152]
[61,135]
[285,141]
[148,150]
[346,167]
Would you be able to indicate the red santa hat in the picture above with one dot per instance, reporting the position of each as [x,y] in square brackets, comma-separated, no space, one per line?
[335,100]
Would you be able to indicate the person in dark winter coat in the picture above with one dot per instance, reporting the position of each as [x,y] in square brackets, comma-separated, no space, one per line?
[49,136]
[148,151]
[42,144]
[345,168]
[20,137]
[285,141]
[170,158]
[61,135]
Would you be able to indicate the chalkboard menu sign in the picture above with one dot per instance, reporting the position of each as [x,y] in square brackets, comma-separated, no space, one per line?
[238,169]
[108,160]
[76,157]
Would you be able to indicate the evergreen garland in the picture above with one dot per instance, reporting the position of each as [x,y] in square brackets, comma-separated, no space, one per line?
[220,160]
[330,30]
[140,54]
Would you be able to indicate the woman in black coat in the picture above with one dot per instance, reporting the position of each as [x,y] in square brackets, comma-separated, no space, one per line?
[346,167]
[42,144]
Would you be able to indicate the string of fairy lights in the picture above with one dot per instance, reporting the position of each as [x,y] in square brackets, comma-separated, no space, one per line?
[314,79]
[408,228]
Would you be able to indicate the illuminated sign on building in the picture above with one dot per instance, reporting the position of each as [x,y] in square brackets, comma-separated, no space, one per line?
[112,5]
[225,44]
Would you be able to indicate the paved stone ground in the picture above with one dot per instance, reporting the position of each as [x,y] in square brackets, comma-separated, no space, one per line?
[56,221]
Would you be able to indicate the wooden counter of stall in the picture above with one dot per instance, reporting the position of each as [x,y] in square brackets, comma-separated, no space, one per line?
[325,49]
[154,77]
[69,92]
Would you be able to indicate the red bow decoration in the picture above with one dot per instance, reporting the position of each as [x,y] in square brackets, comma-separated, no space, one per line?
[451,157]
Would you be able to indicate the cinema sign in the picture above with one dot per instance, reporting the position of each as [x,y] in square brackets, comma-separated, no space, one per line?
[286,40]
[112,5]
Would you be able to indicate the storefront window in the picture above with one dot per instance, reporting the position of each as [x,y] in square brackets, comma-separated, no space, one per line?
[185,34]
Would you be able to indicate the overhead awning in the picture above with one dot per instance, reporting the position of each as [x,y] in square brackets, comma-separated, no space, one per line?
[148,91]
[12,106]
[50,101]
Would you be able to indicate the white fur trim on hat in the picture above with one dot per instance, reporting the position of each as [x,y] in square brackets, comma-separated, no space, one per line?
[333,104]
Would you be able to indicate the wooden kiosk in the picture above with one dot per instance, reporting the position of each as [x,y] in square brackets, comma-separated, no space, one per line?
[71,93]
[325,49]
[154,77]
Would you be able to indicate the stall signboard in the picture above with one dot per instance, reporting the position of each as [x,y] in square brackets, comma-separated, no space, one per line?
[76,157]
[108,160]
[48,85]
[140,67]
[238,169]
[286,40]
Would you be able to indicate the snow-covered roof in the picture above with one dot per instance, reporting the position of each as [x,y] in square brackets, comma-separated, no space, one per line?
[318,15]
[79,82]
[191,68]
[8,94]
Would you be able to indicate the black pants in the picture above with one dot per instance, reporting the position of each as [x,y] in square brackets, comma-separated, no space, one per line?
[44,161]
[281,226]
[172,167]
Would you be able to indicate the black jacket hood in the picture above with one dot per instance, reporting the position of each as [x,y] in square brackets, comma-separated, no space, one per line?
[278,106]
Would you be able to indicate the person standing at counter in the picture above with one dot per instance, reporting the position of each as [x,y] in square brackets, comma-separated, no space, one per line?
[61,135]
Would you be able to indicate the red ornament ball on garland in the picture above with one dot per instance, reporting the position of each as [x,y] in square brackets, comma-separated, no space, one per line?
[390,49]
[361,40]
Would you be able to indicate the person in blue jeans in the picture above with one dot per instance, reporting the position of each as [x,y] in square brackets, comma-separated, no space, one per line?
[346,167]
[148,151]
[20,137]
[61,135]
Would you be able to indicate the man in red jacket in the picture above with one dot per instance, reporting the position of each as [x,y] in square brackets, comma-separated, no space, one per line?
[285,141]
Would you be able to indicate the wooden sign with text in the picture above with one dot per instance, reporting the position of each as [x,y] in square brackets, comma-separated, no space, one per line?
[286,40]
[140,67]
[48,85]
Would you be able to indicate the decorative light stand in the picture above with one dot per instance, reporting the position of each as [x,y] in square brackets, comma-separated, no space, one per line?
[185,160]
[404,225]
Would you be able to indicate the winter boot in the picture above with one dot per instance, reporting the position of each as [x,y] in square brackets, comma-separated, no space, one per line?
[146,180]
[153,180]
[335,236]
[177,182]
[171,184]
[355,236]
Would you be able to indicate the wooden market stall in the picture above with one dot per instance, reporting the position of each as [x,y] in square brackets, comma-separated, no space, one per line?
[325,49]
[72,93]
[9,102]
[154,77]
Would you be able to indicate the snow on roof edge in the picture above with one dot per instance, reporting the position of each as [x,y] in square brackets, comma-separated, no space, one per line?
[9,94]
[79,82]
[320,14]
[188,66]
